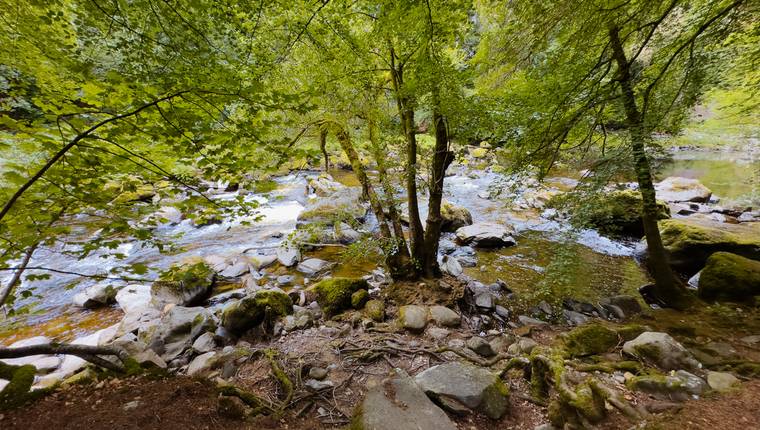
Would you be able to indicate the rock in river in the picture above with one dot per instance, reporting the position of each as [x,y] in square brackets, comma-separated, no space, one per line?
[486,235]
[184,285]
[677,189]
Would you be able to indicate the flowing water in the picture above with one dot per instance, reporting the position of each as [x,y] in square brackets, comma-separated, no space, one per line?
[550,261]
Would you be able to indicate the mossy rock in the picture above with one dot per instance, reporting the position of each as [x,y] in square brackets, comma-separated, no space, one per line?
[334,294]
[478,152]
[590,339]
[375,309]
[729,277]
[454,217]
[617,213]
[20,378]
[184,285]
[249,312]
[359,299]
[630,331]
[690,243]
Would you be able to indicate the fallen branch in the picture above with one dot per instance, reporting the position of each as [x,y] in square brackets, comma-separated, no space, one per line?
[86,352]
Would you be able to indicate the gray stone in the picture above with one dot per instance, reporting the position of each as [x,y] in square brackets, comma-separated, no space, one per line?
[446,246]
[204,343]
[96,296]
[399,403]
[202,363]
[502,311]
[523,345]
[318,373]
[480,346]
[662,350]
[313,266]
[444,316]
[486,235]
[438,333]
[574,318]
[677,189]
[288,256]
[238,268]
[472,386]
[485,300]
[178,329]
[451,265]
[316,385]
[628,304]
[526,320]
[721,381]
[413,317]
[259,261]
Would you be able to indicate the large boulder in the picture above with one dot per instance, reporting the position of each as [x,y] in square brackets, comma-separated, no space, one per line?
[679,386]
[690,242]
[247,313]
[334,294]
[184,285]
[454,217]
[313,266]
[662,350]
[729,277]
[342,205]
[677,189]
[413,317]
[324,185]
[486,235]
[399,403]
[96,296]
[590,339]
[457,384]
[617,213]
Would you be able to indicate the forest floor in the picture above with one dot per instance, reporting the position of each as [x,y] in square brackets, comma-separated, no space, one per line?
[187,403]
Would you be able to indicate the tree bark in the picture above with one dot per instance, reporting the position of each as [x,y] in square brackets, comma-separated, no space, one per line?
[323,147]
[667,288]
[17,275]
[442,157]
[396,259]
[406,113]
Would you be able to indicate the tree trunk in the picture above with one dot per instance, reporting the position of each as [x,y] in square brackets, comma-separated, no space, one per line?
[323,147]
[667,288]
[406,113]
[17,275]
[442,157]
[398,262]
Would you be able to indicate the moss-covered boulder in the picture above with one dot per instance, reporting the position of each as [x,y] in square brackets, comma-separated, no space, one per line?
[16,392]
[662,350]
[729,277]
[617,213]
[343,205]
[249,312]
[359,299]
[691,242]
[590,339]
[184,285]
[375,309]
[334,294]
[454,217]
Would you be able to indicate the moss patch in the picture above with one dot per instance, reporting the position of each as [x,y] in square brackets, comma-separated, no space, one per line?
[334,294]
[590,339]
[20,378]
[729,277]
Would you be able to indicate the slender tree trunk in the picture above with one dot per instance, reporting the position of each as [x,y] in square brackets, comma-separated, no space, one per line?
[388,190]
[406,113]
[398,263]
[17,275]
[667,288]
[323,147]
[442,157]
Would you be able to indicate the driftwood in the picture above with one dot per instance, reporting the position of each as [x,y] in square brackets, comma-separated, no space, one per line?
[85,352]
